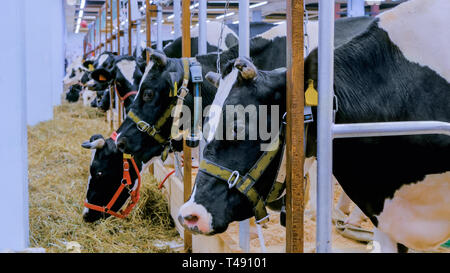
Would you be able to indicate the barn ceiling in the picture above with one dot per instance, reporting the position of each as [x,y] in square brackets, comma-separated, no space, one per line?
[271,11]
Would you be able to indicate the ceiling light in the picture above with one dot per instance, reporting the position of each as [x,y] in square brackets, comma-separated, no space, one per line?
[258,5]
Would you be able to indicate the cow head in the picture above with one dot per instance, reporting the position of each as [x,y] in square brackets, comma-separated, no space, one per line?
[213,205]
[74,93]
[125,73]
[105,61]
[106,173]
[152,101]
[74,76]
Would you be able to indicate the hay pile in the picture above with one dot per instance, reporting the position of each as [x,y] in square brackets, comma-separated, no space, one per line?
[58,175]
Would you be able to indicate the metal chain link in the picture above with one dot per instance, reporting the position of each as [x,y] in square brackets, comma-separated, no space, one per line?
[305,28]
[219,43]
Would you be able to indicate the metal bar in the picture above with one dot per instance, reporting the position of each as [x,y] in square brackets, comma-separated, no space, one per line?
[244,28]
[324,127]
[295,126]
[244,51]
[202,27]
[130,30]
[391,129]
[159,18]
[148,29]
[138,37]
[355,8]
[177,18]
[118,28]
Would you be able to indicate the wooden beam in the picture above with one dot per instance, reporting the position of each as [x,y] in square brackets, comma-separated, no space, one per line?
[294,128]
[148,27]
[187,179]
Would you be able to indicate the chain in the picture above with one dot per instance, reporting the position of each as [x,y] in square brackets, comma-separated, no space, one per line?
[219,43]
[305,28]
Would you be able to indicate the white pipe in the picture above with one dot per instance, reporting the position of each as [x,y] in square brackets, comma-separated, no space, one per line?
[159,19]
[324,127]
[177,18]
[391,129]
[202,48]
[244,51]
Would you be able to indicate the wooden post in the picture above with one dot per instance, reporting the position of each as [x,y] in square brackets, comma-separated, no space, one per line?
[110,25]
[118,28]
[294,130]
[187,179]
[130,30]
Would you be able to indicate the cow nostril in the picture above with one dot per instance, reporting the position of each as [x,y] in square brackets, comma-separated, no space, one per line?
[191,218]
[121,144]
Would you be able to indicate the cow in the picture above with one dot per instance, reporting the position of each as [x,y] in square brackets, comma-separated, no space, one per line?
[104,180]
[124,74]
[384,71]
[160,77]
[269,46]
[74,93]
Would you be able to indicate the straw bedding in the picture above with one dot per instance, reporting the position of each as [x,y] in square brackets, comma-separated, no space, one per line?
[58,175]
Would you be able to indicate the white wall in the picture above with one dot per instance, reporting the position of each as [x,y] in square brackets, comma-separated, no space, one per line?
[44,57]
[13,137]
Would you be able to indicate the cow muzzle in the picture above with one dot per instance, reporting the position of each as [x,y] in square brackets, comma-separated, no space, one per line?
[195,218]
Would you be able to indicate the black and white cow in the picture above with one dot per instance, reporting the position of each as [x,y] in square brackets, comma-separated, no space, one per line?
[160,76]
[105,176]
[125,74]
[384,71]
[74,93]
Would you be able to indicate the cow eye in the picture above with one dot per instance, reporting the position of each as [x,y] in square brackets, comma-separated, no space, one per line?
[148,95]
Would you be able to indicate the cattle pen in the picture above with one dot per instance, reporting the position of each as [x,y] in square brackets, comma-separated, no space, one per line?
[56,150]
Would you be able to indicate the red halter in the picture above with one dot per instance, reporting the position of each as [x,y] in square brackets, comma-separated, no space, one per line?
[122,99]
[125,183]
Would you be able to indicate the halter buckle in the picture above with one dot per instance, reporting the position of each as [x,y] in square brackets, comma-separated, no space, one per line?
[142,126]
[233,174]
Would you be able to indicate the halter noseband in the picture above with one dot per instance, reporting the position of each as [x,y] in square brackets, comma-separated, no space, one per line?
[125,183]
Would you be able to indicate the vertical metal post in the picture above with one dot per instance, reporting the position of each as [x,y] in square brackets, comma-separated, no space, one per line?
[177,18]
[159,18]
[257,16]
[138,37]
[202,49]
[148,28]
[244,28]
[244,51]
[355,8]
[130,29]
[118,36]
[325,125]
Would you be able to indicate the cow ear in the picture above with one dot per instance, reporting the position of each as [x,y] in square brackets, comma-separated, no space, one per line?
[101,75]
[247,69]
[174,78]
[159,58]
[213,78]
[96,142]
[86,64]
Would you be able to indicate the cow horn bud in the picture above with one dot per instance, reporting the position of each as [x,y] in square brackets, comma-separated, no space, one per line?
[246,68]
[213,78]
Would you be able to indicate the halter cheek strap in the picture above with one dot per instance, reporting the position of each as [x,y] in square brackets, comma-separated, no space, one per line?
[245,184]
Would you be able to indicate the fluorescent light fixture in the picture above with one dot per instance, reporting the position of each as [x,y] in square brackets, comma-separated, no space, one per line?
[172,32]
[80,14]
[83,4]
[236,22]
[225,15]
[279,23]
[258,5]
[170,17]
